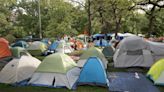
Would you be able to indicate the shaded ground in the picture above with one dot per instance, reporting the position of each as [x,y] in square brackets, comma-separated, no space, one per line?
[9,88]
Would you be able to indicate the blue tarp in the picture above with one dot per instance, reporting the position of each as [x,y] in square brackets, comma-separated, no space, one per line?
[93,73]
[130,82]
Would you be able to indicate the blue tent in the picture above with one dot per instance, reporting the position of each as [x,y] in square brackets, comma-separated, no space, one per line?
[53,46]
[98,35]
[45,41]
[22,44]
[93,73]
[104,43]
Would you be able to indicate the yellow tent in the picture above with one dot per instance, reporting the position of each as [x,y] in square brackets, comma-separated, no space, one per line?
[156,72]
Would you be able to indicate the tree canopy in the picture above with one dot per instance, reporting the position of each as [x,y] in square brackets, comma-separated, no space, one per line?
[73,17]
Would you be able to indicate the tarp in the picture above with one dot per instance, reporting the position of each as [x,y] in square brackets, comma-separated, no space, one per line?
[4,48]
[91,52]
[130,82]
[93,73]
[156,72]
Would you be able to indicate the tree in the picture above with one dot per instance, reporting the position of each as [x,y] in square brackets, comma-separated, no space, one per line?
[154,7]
[5,23]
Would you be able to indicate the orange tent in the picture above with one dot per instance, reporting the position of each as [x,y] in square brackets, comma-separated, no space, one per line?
[79,44]
[4,48]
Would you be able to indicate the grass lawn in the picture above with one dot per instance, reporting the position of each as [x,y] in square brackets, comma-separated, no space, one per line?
[9,88]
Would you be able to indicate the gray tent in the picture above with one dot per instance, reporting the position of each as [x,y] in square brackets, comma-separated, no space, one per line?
[133,51]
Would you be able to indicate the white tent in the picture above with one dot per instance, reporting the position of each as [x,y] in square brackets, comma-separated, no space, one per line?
[19,69]
[64,48]
[157,50]
[133,51]
[57,80]
[128,34]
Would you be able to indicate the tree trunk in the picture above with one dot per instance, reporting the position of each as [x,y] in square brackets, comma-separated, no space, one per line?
[89,18]
[151,21]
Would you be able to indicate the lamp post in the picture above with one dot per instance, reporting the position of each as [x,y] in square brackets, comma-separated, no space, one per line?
[40,23]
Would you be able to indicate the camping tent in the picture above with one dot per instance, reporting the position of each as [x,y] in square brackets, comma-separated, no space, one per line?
[98,36]
[80,44]
[18,51]
[104,43]
[36,48]
[18,70]
[93,73]
[108,51]
[53,46]
[93,51]
[4,48]
[59,47]
[56,70]
[157,50]
[133,51]
[46,41]
[156,73]
[120,36]
[128,34]
[63,48]
[22,44]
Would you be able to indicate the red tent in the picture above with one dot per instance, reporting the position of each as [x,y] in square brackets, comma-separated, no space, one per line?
[4,48]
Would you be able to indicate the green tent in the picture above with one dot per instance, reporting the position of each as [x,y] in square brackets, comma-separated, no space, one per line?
[37,48]
[56,63]
[18,51]
[92,52]
[156,72]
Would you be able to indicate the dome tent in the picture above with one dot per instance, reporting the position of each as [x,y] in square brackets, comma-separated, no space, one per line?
[18,70]
[18,52]
[56,70]
[133,52]
[156,73]
[4,48]
[22,44]
[37,48]
[93,73]
[93,51]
